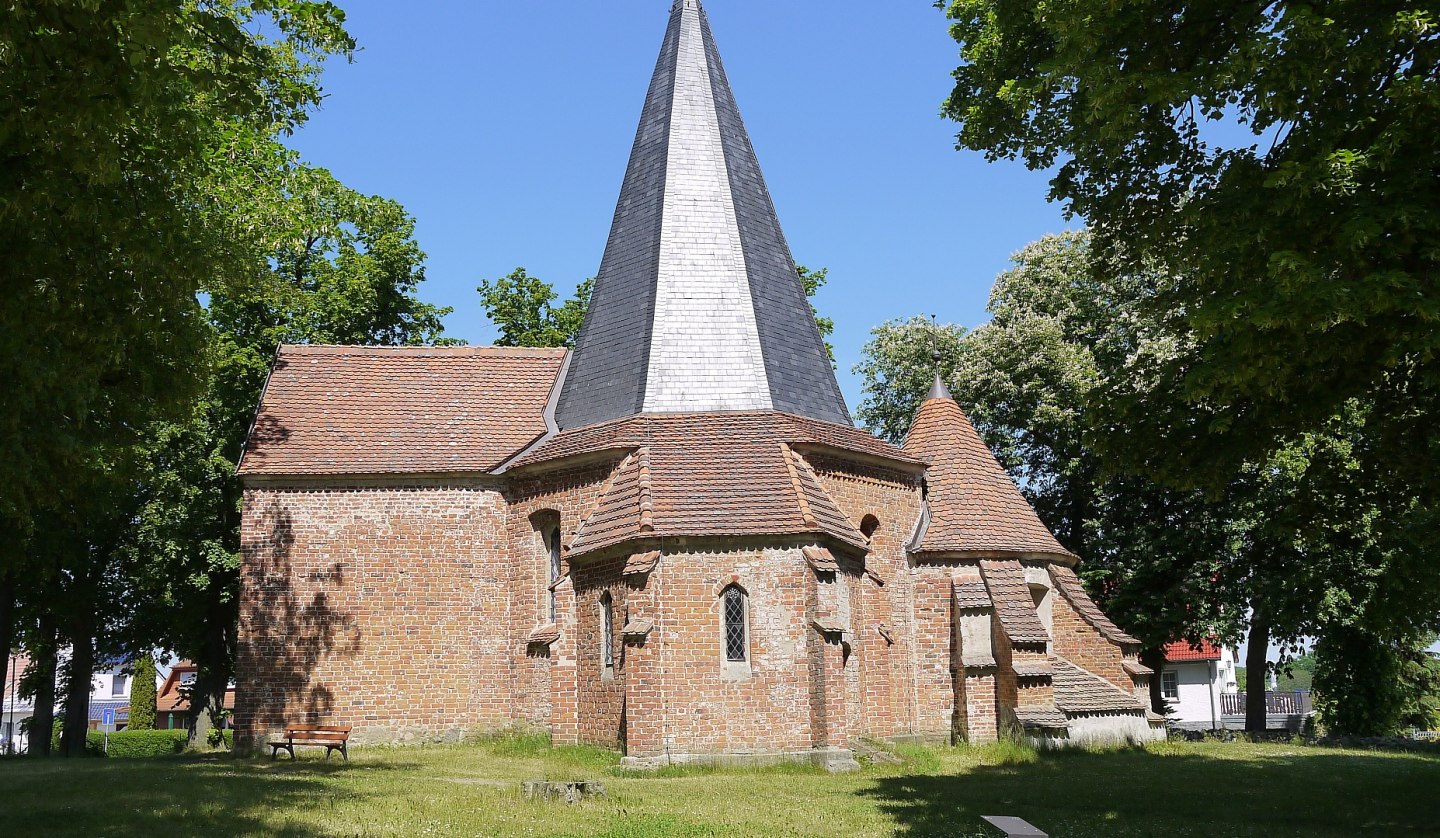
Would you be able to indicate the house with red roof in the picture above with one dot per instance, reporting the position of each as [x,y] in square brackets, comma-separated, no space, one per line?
[1194,682]
[671,539]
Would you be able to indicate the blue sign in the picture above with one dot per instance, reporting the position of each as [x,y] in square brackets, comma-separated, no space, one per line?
[107,716]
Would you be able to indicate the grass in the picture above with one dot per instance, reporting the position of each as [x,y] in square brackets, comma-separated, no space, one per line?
[1210,789]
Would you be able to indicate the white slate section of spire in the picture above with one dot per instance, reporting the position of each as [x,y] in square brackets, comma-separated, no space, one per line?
[705,348]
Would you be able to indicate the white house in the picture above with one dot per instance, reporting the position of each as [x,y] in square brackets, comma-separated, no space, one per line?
[1193,681]
[13,708]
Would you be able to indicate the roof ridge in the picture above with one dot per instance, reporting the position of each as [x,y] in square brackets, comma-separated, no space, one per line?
[805,514]
[647,503]
[383,349]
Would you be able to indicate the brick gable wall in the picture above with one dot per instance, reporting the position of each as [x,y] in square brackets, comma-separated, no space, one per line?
[373,606]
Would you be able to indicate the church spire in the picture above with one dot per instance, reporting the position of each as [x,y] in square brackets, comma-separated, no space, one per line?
[697,306]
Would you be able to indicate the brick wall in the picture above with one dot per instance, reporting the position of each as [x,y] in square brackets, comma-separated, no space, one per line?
[882,671]
[378,606]
[546,680]
[1078,642]
[600,697]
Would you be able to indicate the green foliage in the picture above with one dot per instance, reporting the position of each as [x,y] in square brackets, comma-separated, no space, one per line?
[1368,686]
[221,738]
[343,268]
[897,369]
[113,210]
[1276,162]
[126,744]
[522,306]
[1057,329]
[142,694]
[813,282]
[1296,674]
[1278,156]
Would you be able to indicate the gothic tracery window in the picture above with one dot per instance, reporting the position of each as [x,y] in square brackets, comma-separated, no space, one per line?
[736,640]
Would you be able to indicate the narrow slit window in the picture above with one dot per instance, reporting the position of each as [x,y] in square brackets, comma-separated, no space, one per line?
[554,570]
[736,642]
[607,632]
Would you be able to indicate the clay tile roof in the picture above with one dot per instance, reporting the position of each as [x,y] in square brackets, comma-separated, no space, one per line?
[1005,580]
[820,559]
[1186,651]
[641,563]
[977,660]
[1041,718]
[1078,691]
[1135,668]
[544,635]
[394,410]
[1032,669]
[971,593]
[715,474]
[973,504]
[1073,591]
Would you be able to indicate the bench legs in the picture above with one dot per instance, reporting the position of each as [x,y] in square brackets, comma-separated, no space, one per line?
[275,749]
[330,749]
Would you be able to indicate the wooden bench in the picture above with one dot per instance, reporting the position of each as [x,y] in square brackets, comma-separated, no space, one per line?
[329,737]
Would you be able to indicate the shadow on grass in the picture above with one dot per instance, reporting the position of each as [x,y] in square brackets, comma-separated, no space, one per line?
[183,795]
[1280,791]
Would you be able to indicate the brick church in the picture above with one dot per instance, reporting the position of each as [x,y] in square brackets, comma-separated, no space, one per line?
[672,539]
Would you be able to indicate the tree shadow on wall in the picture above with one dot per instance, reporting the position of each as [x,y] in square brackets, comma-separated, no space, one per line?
[290,626]
[1298,791]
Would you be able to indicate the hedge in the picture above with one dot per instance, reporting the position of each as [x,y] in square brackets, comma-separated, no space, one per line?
[139,743]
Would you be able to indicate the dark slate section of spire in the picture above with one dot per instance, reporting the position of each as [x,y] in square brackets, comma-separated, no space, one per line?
[606,379]
[800,374]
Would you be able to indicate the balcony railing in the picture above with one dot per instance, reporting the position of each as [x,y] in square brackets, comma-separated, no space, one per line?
[1287,703]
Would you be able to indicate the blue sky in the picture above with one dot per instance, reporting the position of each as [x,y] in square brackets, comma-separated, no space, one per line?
[504,128]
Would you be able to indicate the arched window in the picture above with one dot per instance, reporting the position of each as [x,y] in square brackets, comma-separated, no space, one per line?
[737,643]
[554,544]
[607,632]
[868,525]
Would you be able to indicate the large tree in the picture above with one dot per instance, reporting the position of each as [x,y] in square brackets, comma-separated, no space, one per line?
[115,140]
[1279,158]
[1278,550]
[344,270]
[1152,553]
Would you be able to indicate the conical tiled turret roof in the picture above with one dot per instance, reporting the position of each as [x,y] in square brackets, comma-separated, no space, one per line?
[697,306]
[972,505]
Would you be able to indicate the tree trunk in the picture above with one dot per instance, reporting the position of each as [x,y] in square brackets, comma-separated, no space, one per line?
[208,698]
[78,674]
[1256,672]
[1155,660]
[42,722]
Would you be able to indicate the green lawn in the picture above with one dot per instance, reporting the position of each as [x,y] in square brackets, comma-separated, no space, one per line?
[1209,789]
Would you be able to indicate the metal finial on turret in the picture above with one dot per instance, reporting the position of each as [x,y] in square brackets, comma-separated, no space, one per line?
[938,390]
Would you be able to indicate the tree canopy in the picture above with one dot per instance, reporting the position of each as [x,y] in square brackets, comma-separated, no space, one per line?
[1279,159]
[117,161]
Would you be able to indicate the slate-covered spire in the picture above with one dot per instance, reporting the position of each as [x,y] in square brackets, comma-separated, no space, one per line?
[697,306]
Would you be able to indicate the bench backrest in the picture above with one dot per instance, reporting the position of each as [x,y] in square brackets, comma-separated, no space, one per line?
[317,731]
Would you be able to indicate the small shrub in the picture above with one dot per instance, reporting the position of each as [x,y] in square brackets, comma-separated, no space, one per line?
[139,743]
[221,736]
